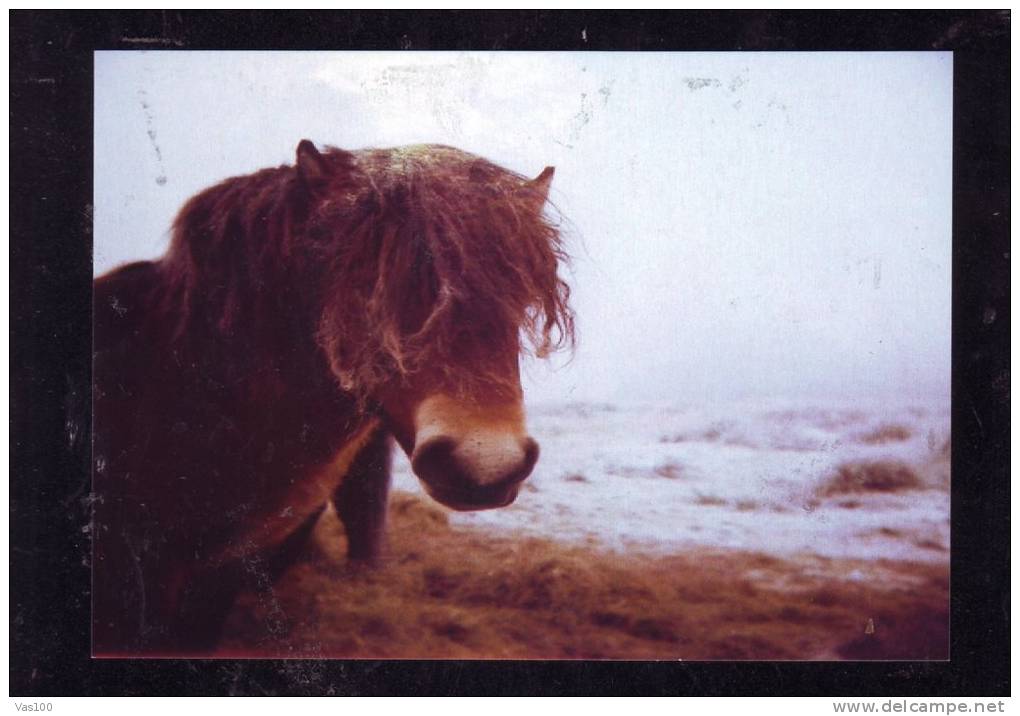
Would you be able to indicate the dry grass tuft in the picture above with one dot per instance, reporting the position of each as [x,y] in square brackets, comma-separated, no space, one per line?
[458,593]
[708,435]
[878,476]
[883,434]
[575,477]
[709,500]
[669,470]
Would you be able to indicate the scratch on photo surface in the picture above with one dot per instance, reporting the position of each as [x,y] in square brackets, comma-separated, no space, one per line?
[151,132]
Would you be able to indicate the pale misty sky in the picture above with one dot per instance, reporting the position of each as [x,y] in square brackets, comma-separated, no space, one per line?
[743,225]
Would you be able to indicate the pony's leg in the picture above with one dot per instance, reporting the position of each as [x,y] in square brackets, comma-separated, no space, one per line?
[163,608]
[209,598]
[195,627]
[362,497]
[142,590]
[279,558]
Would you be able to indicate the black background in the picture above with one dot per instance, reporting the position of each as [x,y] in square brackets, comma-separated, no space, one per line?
[50,335]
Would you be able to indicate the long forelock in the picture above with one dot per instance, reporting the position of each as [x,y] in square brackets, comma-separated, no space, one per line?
[406,253]
[458,252]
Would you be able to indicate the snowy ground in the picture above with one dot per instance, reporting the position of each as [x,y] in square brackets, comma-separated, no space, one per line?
[842,481]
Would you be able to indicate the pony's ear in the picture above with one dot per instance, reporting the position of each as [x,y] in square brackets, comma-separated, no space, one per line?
[312,167]
[538,188]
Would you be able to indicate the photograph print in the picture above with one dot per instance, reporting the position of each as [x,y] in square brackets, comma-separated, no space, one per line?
[551,355]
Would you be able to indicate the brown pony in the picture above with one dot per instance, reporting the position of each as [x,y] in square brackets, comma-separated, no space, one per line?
[302,316]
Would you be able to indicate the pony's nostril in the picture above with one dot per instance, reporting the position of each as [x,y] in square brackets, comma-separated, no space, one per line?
[441,464]
[436,455]
[530,455]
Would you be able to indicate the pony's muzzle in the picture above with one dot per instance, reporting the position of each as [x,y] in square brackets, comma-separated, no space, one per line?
[462,484]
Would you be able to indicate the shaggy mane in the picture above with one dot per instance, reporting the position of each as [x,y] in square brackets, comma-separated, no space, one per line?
[393,261]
